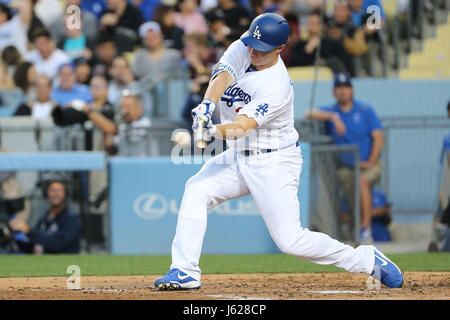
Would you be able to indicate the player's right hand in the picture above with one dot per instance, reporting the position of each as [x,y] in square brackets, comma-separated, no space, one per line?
[206,108]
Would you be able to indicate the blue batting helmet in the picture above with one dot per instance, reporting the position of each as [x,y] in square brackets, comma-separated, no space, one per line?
[267,32]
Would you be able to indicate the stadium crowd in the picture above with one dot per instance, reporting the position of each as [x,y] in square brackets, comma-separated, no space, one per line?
[64,45]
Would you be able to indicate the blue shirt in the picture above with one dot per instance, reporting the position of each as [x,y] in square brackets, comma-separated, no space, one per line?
[147,8]
[94,6]
[360,122]
[78,92]
[357,16]
[445,146]
[378,199]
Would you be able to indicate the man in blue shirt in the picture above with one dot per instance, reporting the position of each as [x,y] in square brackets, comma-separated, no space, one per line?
[68,89]
[351,122]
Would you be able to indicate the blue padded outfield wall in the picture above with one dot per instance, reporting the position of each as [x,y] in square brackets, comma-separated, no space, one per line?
[145,195]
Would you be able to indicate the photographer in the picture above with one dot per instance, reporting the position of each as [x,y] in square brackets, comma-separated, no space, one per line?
[58,231]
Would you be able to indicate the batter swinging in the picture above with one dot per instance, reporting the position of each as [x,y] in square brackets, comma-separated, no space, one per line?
[256,99]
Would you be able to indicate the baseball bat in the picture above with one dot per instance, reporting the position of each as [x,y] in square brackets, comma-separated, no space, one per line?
[198,137]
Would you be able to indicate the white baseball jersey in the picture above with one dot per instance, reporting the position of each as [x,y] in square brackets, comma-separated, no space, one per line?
[266,95]
[272,178]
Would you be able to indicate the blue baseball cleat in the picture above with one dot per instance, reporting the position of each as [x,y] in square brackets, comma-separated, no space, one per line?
[386,271]
[176,279]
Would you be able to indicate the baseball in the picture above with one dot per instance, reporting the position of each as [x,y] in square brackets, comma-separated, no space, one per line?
[182,138]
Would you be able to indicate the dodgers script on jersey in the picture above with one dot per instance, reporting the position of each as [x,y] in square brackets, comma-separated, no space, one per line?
[266,95]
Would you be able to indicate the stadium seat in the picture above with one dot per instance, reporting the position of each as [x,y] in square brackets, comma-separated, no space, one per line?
[433,61]
[307,73]
[390,7]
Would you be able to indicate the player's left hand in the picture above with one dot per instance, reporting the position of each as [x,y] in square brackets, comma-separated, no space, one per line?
[206,123]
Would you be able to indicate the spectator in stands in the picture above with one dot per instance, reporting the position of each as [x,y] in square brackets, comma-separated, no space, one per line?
[58,231]
[130,130]
[121,78]
[237,16]
[341,29]
[24,79]
[155,60]
[218,30]
[98,110]
[70,38]
[172,35]
[380,217]
[121,20]
[68,89]
[188,19]
[13,29]
[353,122]
[11,57]
[147,8]
[104,53]
[10,96]
[332,53]
[200,57]
[42,106]
[46,58]
[83,71]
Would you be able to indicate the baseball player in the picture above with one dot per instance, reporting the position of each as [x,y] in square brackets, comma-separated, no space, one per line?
[254,92]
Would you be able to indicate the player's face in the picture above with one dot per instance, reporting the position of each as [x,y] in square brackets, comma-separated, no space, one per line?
[263,60]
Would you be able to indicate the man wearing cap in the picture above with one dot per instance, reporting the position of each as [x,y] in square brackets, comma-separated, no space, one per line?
[252,88]
[353,122]
[155,60]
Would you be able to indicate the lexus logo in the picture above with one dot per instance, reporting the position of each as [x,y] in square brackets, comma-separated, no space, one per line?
[150,206]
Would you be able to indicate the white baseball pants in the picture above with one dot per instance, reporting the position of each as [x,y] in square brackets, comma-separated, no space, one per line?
[273,180]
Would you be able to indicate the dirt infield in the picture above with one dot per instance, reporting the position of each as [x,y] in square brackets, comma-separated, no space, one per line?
[418,285]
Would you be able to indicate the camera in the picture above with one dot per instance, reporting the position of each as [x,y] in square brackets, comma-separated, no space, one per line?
[65,116]
[8,207]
